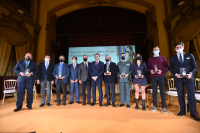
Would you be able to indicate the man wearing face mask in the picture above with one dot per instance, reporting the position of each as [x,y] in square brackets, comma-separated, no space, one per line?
[187,61]
[61,73]
[157,67]
[124,80]
[84,79]
[26,70]
[96,72]
[45,79]
[110,70]
[73,75]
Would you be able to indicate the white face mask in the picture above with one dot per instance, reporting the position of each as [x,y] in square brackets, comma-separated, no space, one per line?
[180,50]
[46,60]
[74,61]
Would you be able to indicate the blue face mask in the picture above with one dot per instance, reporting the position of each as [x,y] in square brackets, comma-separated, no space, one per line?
[74,61]
[156,53]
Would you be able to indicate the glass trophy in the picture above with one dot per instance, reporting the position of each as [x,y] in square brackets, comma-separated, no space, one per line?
[123,74]
[183,72]
[26,72]
[108,70]
[139,75]
[155,69]
[60,74]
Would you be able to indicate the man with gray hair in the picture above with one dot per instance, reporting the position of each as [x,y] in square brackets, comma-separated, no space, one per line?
[110,70]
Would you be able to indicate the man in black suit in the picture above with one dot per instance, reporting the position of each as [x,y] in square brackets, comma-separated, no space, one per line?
[26,70]
[45,79]
[84,79]
[186,61]
[110,70]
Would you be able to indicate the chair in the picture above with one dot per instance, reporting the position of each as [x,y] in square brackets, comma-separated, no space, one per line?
[34,91]
[150,91]
[172,93]
[10,87]
[197,84]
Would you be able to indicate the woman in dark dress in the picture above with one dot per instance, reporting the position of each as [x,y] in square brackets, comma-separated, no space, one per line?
[139,70]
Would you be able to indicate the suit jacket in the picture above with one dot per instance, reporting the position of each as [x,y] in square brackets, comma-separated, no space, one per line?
[73,74]
[41,75]
[113,69]
[83,73]
[21,66]
[65,72]
[189,63]
[97,71]
[124,67]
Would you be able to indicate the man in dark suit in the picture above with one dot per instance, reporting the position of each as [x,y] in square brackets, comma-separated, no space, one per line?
[84,79]
[96,72]
[186,61]
[25,80]
[61,73]
[110,70]
[45,79]
[73,70]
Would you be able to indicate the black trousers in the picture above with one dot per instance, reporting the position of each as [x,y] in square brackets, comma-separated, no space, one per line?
[110,87]
[88,84]
[64,89]
[155,81]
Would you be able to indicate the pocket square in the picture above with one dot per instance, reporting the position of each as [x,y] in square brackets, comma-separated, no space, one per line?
[188,58]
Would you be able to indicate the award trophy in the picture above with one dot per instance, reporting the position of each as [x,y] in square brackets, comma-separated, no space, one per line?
[123,75]
[183,72]
[139,74]
[26,73]
[156,69]
[108,70]
[60,74]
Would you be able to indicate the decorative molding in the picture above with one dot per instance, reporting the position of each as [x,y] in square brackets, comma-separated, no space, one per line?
[53,22]
[100,3]
[150,20]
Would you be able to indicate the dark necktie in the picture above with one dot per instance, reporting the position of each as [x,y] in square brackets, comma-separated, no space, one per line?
[181,62]
[96,64]
[86,66]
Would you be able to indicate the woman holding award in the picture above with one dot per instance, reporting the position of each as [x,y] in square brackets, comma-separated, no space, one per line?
[139,70]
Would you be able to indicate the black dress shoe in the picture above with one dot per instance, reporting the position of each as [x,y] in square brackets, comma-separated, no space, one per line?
[121,105]
[58,104]
[17,109]
[48,104]
[84,103]
[107,104]
[128,106]
[41,105]
[100,104]
[114,105]
[181,113]
[29,108]
[78,102]
[64,104]
[71,102]
[89,103]
[93,104]
[195,117]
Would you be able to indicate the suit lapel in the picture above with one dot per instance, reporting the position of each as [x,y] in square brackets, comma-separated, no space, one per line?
[177,60]
[29,64]
[184,58]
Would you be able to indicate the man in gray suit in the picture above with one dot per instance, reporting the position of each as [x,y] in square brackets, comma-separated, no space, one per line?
[84,79]
[124,79]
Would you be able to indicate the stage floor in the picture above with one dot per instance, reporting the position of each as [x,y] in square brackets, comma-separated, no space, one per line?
[86,119]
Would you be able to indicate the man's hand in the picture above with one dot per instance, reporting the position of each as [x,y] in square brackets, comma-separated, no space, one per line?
[126,75]
[57,77]
[152,72]
[22,74]
[38,81]
[189,76]
[109,73]
[52,82]
[178,76]
[159,72]
[142,76]
[62,77]
[136,76]
[76,80]
[72,81]
[105,74]
[29,74]
[80,82]
[121,76]
[94,78]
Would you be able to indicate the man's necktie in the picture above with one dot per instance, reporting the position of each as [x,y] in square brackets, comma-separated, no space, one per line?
[181,61]
[74,66]
[46,66]
[26,64]
[96,64]
[86,66]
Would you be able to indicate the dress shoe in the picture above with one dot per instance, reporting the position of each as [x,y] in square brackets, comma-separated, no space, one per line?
[128,106]
[107,104]
[41,105]
[64,104]
[121,105]
[48,104]
[17,109]
[71,103]
[84,103]
[58,104]
[114,105]
[195,117]
[78,102]
[181,113]
[29,108]
[93,104]
[89,103]
[100,104]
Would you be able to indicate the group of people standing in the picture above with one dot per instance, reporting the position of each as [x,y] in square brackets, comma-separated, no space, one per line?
[92,74]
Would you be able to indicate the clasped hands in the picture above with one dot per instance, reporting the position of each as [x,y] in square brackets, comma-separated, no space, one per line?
[94,78]
[107,74]
[59,78]
[189,76]
[74,81]
[124,77]
[22,74]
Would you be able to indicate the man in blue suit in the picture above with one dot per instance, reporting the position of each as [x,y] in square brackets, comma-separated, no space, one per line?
[45,79]
[73,70]
[61,73]
[186,61]
[25,81]
[110,70]
[96,72]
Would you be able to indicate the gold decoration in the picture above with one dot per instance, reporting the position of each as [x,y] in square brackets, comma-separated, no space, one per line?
[100,3]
